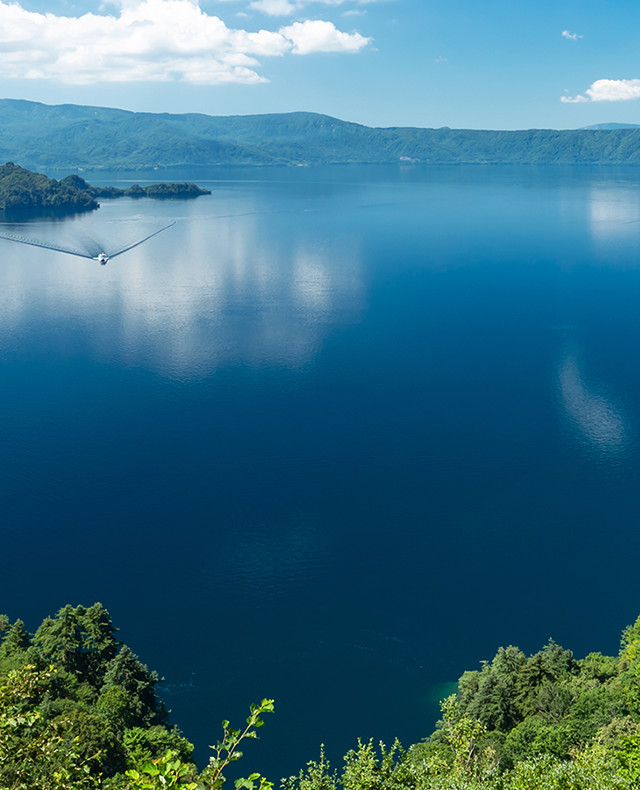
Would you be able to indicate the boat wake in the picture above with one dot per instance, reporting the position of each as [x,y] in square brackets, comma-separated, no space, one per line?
[90,248]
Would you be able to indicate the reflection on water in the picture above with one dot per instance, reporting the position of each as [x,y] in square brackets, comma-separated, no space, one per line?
[601,423]
[326,529]
[207,293]
[614,211]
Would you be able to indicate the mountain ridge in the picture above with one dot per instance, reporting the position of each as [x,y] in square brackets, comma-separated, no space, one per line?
[70,136]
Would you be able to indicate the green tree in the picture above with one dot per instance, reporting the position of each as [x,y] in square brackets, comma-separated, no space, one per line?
[80,641]
[167,771]
[14,648]
[630,666]
[36,754]
[627,753]
[318,776]
[490,695]
[144,744]
[126,672]
[365,770]
[464,735]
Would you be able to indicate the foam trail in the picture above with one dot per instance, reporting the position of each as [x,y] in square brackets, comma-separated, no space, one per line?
[137,243]
[70,251]
[46,245]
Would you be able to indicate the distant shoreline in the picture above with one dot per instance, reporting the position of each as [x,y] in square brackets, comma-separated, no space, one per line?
[76,137]
[205,171]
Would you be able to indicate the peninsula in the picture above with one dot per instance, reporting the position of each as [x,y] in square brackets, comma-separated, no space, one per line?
[22,189]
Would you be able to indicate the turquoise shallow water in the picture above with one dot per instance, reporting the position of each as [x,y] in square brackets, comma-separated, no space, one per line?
[332,438]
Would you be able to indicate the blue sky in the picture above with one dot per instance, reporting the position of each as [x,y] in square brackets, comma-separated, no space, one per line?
[504,64]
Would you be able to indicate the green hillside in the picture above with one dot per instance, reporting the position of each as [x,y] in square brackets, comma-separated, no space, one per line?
[71,137]
[80,711]
[22,189]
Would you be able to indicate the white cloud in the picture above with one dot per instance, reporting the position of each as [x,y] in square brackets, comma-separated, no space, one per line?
[607,90]
[154,41]
[571,36]
[274,7]
[319,36]
[287,7]
[573,99]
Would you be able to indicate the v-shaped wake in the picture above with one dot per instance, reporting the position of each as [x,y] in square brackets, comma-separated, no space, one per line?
[102,257]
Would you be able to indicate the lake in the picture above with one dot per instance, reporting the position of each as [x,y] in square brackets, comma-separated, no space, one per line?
[332,438]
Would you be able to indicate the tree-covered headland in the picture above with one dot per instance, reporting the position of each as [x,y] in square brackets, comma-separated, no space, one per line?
[22,189]
[79,710]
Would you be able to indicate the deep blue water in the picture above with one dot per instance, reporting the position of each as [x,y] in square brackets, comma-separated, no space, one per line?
[333,438]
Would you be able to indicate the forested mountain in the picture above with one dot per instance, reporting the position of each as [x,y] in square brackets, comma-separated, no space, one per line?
[78,710]
[71,137]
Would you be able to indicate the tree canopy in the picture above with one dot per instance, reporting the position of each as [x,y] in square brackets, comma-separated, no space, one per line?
[21,189]
[73,136]
[79,711]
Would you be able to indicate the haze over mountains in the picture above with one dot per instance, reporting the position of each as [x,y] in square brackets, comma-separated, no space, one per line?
[68,136]
[613,126]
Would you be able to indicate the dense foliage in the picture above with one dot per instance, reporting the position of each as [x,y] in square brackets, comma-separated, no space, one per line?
[172,190]
[71,136]
[22,189]
[547,721]
[78,710]
[165,191]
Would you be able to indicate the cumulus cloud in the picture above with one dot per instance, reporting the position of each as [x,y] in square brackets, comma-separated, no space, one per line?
[607,90]
[274,7]
[154,41]
[319,36]
[286,7]
[571,36]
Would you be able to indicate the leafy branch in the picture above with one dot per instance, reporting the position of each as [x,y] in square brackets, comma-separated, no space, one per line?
[226,751]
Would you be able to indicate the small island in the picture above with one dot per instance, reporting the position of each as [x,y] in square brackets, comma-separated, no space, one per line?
[22,189]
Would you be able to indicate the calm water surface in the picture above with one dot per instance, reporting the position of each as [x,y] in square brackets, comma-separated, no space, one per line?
[333,438]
